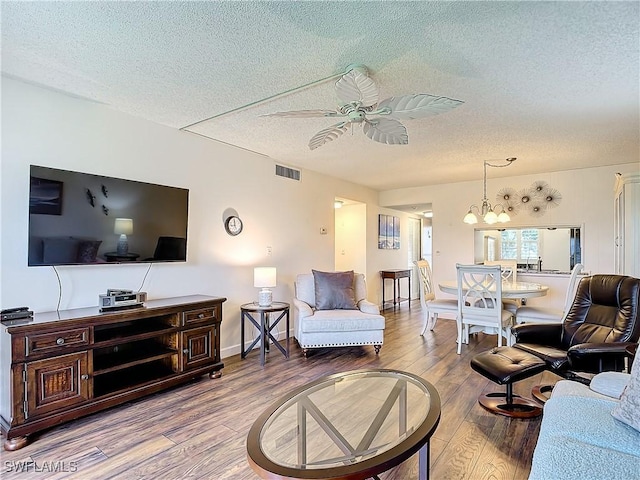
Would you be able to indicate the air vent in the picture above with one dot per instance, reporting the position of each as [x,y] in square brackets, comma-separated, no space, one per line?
[287,172]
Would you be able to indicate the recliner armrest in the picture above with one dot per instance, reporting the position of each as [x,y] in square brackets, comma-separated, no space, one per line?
[549,334]
[304,309]
[598,356]
[366,306]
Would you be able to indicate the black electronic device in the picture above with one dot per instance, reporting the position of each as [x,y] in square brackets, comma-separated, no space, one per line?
[119,298]
[15,313]
[14,309]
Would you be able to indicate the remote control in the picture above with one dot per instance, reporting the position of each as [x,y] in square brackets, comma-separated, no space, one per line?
[13,310]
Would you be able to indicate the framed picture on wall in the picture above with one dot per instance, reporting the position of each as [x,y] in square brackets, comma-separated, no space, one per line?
[45,196]
[396,233]
[388,232]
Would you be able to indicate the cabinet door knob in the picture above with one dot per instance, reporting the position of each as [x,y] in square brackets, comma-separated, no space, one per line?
[84,377]
[186,350]
[60,341]
[201,315]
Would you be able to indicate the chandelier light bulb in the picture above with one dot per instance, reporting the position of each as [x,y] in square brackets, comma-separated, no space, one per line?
[470,218]
[504,217]
[491,217]
[486,211]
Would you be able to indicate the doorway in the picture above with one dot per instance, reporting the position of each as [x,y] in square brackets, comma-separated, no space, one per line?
[350,236]
[414,253]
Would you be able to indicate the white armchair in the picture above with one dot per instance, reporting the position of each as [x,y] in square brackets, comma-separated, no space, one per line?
[316,328]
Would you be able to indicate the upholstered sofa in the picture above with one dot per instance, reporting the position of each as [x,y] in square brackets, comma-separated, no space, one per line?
[63,250]
[320,328]
[580,438]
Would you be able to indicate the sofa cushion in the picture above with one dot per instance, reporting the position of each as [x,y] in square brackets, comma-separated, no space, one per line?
[342,321]
[628,409]
[580,439]
[59,250]
[334,290]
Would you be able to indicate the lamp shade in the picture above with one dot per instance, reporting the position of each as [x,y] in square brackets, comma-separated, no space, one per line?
[123,226]
[264,277]
[491,217]
[470,218]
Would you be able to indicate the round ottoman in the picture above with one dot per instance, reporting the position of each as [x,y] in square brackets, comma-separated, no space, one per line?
[504,366]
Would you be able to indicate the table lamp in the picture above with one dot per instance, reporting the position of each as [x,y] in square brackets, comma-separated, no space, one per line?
[265,278]
[123,227]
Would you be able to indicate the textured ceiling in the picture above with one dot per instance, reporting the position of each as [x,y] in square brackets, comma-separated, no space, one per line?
[555,84]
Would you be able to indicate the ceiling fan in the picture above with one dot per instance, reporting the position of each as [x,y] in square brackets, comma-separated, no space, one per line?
[358,94]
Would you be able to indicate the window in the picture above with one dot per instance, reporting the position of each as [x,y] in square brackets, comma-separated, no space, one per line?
[521,245]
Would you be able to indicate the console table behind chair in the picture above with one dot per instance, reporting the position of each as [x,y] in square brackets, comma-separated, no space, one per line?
[71,363]
[395,276]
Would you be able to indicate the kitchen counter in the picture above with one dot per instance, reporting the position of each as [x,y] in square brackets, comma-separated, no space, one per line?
[547,273]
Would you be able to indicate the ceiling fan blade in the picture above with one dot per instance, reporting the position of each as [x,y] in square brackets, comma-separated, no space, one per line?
[305,114]
[328,134]
[408,107]
[357,87]
[386,130]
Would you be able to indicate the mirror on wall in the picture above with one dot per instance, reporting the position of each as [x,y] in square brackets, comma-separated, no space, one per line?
[553,249]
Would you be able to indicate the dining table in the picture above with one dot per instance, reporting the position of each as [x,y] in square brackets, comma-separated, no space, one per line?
[516,290]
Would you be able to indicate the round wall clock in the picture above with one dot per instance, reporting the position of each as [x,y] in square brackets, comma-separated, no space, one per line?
[233,225]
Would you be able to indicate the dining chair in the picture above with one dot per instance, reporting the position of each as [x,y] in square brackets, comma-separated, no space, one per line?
[534,314]
[480,303]
[432,306]
[509,273]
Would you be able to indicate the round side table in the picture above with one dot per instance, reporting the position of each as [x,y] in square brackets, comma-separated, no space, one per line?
[265,325]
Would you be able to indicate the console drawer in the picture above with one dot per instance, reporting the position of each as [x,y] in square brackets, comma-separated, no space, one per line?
[202,315]
[56,342]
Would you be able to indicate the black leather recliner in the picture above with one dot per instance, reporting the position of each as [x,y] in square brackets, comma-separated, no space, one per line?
[602,322]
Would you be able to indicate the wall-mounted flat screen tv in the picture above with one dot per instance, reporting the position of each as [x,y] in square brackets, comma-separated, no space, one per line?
[83,219]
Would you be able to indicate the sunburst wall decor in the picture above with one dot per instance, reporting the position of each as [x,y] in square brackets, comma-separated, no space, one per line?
[535,199]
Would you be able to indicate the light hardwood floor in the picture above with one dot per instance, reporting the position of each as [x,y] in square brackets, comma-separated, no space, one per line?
[199,430]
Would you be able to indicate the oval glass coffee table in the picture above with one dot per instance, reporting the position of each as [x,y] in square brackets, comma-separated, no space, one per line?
[348,425]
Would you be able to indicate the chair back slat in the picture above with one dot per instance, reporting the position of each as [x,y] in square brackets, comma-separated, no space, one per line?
[426,281]
[480,293]
[508,269]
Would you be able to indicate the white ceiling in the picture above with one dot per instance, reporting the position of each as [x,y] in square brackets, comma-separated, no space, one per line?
[555,84]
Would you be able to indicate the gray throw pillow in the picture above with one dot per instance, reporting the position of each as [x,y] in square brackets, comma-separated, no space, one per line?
[334,290]
[88,250]
[628,408]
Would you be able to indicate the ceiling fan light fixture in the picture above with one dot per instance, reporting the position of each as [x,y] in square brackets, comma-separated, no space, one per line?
[358,95]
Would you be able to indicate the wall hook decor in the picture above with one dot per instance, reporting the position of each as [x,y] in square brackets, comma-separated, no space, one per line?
[91,198]
[105,210]
[105,192]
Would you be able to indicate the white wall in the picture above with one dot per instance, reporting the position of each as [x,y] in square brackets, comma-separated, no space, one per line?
[47,128]
[587,199]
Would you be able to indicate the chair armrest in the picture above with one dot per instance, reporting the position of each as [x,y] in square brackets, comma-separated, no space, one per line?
[548,334]
[303,308]
[611,384]
[598,357]
[366,306]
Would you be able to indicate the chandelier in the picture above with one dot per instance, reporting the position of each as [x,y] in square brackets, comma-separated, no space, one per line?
[486,210]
